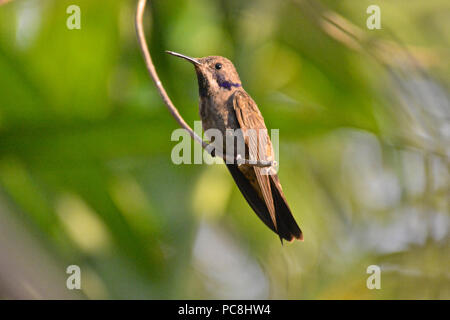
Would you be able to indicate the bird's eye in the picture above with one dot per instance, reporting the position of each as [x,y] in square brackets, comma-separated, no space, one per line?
[218,66]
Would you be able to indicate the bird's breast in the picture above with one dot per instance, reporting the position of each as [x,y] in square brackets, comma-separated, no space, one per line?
[218,113]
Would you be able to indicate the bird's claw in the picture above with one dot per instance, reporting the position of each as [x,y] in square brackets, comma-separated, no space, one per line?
[239,160]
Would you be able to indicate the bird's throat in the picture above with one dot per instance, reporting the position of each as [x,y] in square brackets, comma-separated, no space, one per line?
[226,84]
[205,87]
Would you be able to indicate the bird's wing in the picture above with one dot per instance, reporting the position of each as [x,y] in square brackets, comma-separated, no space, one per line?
[258,143]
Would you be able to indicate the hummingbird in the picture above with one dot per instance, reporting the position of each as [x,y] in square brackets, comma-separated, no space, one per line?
[224,105]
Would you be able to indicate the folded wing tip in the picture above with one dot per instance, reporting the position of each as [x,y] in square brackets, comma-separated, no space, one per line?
[293,238]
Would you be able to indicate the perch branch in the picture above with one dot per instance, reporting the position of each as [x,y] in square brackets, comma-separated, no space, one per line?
[165,97]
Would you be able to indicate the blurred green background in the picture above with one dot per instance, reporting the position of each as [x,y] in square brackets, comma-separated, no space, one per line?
[86,176]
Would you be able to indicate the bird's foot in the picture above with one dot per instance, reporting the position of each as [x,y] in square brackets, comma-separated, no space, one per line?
[254,163]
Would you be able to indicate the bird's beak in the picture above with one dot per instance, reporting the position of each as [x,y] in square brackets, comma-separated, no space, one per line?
[194,61]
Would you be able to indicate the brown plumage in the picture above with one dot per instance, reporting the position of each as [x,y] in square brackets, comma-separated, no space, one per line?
[224,104]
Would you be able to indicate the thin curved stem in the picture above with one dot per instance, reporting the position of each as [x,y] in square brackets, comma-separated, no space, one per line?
[151,70]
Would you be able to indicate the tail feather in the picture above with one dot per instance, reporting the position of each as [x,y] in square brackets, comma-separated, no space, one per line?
[251,196]
[286,228]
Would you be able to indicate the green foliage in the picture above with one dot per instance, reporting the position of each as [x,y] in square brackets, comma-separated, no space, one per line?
[85,147]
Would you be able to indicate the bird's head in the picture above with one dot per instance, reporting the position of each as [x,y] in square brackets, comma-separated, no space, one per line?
[215,74]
